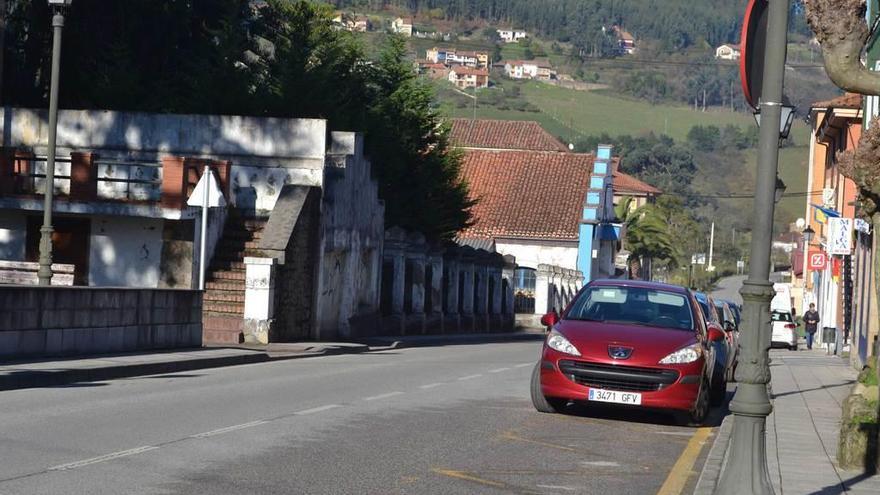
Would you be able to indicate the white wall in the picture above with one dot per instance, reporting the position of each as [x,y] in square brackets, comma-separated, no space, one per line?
[258,187]
[13,230]
[531,255]
[125,252]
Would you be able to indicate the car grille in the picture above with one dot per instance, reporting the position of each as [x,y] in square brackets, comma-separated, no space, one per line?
[618,377]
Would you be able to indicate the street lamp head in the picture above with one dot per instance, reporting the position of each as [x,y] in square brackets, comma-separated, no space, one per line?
[780,190]
[808,234]
[59,6]
[786,119]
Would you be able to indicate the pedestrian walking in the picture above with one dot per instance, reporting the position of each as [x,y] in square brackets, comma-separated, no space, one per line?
[811,323]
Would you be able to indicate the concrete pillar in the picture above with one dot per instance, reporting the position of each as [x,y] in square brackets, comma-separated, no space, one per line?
[481,285]
[451,322]
[399,283]
[498,295]
[467,272]
[435,285]
[415,321]
[542,289]
[259,299]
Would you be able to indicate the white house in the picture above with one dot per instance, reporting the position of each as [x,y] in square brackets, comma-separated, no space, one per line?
[512,36]
[529,69]
[467,77]
[402,25]
[727,52]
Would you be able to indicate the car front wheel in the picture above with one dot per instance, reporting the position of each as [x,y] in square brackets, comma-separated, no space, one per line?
[543,404]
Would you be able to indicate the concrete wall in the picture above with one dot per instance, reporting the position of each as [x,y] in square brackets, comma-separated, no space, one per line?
[561,254]
[13,228]
[125,252]
[352,232]
[55,321]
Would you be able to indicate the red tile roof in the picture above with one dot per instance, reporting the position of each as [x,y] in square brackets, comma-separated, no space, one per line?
[521,193]
[503,134]
[849,100]
[627,184]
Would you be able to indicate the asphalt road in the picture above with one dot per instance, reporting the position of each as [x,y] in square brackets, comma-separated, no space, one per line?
[728,288]
[435,420]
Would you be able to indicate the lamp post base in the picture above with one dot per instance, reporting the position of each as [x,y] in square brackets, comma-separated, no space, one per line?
[44,274]
[746,472]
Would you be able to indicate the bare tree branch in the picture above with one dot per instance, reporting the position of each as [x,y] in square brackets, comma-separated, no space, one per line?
[842,31]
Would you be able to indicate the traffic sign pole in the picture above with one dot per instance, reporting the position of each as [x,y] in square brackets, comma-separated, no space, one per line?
[205,197]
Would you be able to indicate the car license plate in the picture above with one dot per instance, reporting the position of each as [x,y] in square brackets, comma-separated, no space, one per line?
[601,395]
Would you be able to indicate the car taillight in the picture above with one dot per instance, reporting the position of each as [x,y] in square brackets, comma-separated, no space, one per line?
[790,326]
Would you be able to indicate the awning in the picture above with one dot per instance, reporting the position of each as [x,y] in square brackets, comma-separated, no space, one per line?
[822,214]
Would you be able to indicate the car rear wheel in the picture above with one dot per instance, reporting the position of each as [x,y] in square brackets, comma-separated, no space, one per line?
[541,403]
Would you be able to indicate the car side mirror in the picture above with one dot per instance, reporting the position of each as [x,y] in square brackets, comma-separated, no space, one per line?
[715,334]
[550,319]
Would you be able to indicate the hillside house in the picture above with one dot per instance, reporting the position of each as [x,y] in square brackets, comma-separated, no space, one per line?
[352,22]
[467,77]
[451,56]
[626,42]
[402,25]
[512,36]
[432,70]
[539,69]
[727,52]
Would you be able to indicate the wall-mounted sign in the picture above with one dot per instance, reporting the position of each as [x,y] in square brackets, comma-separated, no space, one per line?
[817,261]
[840,236]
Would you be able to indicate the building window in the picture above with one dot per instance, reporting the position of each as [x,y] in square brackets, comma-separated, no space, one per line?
[524,290]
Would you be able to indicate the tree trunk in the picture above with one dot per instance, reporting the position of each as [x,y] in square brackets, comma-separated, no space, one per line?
[635,268]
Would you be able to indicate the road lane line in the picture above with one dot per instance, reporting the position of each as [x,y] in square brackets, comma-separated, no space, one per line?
[523,365]
[383,396]
[470,377]
[432,385]
[464,475]
[683,467]
[499,370]
[317,409]
[102,458]
[227,429]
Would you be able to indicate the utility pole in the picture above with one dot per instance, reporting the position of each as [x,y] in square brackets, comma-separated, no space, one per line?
[746,471]
[711,247]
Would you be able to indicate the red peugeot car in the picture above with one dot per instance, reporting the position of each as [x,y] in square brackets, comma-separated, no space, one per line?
[641,344]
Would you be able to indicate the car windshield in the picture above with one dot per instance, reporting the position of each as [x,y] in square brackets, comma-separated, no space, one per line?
[636,305]
[778,316]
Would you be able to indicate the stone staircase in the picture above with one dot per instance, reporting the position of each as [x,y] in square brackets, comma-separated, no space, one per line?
[223,304]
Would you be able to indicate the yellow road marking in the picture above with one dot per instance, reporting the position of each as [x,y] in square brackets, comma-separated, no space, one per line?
[464,475]
[682,470]
[508,435]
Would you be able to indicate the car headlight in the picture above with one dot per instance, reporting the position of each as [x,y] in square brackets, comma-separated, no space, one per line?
[684,355]
[556,341]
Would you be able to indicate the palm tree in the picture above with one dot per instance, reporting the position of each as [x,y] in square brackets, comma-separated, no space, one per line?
[646,237]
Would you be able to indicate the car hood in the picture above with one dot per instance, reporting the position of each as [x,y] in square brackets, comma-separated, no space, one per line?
[649,344]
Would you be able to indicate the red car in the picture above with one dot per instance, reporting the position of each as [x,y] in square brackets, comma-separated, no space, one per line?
[640,344]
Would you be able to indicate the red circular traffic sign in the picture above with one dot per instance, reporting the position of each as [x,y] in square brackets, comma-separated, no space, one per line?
[752,42]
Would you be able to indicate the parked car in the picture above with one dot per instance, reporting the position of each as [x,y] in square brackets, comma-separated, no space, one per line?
[737,311]
[784,330]
[724,363]
[730,324]
[631,343]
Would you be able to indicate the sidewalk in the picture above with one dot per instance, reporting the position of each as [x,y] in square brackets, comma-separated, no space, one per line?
[808,389]
[50,372]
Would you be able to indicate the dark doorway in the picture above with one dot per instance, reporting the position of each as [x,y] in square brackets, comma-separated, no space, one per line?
[70,243]
[386,294]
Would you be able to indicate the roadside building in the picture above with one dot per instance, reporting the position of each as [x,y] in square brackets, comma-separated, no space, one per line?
[402,25]
[548,207]
[539,69]
[512,35]
[838,263]
[433,70]
[727,52]
[300,203]
[466,77]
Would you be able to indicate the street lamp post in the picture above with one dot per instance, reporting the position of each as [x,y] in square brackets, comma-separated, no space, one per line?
[808,238]
[746,470]
[45,272]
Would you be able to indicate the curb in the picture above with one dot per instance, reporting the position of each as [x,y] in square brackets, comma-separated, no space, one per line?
[715,459]
[396,342]
[17,380]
